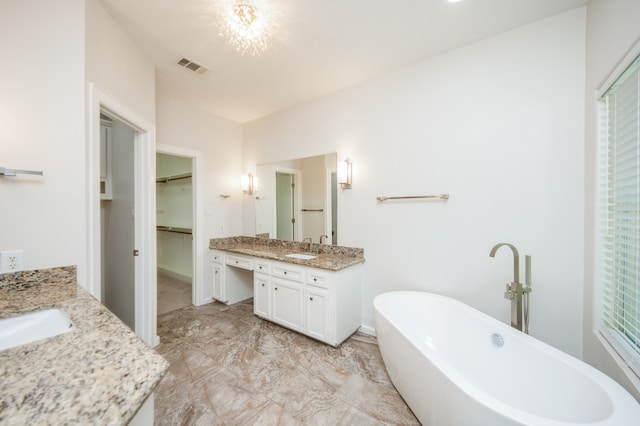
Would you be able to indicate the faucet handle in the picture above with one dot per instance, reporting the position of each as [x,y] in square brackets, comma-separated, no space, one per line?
[508,294]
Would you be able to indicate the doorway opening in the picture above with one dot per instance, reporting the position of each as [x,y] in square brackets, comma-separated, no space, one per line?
[174,218]
[141,215]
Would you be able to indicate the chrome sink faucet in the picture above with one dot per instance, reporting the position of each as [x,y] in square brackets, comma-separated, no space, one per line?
[323,237]
[515,292]
[310,242]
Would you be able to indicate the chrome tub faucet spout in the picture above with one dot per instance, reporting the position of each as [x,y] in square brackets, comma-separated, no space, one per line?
[516,259]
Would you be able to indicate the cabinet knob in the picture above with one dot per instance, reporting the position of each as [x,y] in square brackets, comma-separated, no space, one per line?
[275,288]
[236,261]
[311,298]
[315,279]
[285,272]
[262,284]
[216,272]
[259,267]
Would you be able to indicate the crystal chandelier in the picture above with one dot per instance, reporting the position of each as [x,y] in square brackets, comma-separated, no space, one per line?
[246,25]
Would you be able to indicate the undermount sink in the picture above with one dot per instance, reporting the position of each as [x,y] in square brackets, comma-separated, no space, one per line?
[27,328]
[300,256]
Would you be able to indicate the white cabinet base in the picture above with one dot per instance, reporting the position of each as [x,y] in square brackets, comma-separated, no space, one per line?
[325,305]
[322,304]
[231,277]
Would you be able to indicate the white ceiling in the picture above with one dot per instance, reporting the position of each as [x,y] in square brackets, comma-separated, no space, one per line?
[321,46]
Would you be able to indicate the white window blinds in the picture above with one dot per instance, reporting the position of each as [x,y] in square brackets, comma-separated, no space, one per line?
[621,210]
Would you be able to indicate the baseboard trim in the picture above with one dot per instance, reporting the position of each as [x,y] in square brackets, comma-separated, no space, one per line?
[371,331]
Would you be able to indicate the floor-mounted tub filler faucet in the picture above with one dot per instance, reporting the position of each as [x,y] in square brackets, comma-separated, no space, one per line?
[516,293]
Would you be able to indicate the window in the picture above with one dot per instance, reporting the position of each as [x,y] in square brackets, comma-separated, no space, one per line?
[620,211]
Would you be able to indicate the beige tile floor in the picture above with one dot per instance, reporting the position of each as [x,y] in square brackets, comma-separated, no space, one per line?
[229,367]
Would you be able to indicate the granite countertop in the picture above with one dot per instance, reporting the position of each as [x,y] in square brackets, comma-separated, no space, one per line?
[99,373]
[333,258]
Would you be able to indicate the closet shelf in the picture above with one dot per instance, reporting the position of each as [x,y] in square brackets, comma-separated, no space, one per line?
[166,179]
[175,229]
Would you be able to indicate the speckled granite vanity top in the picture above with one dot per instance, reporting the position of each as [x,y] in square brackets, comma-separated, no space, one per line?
[334,258]
[99,373]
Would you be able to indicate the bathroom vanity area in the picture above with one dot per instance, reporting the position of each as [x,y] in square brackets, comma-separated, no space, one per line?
[97,372]
[313,289]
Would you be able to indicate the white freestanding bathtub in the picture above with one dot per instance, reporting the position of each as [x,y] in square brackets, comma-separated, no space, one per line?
[454,365]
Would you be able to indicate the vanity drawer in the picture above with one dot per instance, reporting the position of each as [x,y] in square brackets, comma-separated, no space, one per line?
[262,266]
[317,279]
[239,262]
[286,271]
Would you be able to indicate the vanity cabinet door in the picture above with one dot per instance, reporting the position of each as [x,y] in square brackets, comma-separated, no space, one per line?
[262,295]
[287,303]
[217,275]
[218,282]
[316,312]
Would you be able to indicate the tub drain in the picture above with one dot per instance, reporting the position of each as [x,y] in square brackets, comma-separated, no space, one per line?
[497,340]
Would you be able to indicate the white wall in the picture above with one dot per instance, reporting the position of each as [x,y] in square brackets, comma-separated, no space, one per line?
[499,126]
[119,68]
[219,141]
[116,64]
[43,119]
[612,29]
[42,128]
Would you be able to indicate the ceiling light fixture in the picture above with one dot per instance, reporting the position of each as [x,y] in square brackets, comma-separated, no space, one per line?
[246,25]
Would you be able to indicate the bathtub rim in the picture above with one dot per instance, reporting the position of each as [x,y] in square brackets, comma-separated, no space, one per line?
[618,396]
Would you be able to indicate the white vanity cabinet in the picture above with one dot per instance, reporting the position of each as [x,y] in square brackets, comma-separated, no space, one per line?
[262,288]
[317,314]
[287,283]
[217,276]
[232,277]
[322,304]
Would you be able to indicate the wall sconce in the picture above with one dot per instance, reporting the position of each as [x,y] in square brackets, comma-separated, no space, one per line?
[345,174]
[249,184]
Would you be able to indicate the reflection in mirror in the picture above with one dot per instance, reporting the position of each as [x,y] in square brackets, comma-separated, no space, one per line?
[298,200]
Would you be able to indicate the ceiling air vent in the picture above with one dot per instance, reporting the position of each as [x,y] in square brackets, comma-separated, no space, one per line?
[189,64]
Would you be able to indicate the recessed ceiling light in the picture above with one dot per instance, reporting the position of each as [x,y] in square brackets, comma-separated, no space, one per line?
[454,1]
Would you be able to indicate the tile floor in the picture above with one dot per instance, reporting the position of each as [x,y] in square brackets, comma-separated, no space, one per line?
[229,367]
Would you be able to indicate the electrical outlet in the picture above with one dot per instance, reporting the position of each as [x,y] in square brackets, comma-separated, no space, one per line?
[11,261]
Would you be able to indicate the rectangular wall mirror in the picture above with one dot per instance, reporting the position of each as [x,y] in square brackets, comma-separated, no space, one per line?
[297,200]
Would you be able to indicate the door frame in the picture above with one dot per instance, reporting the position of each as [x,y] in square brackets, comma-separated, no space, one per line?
[144,206]
[198,253]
